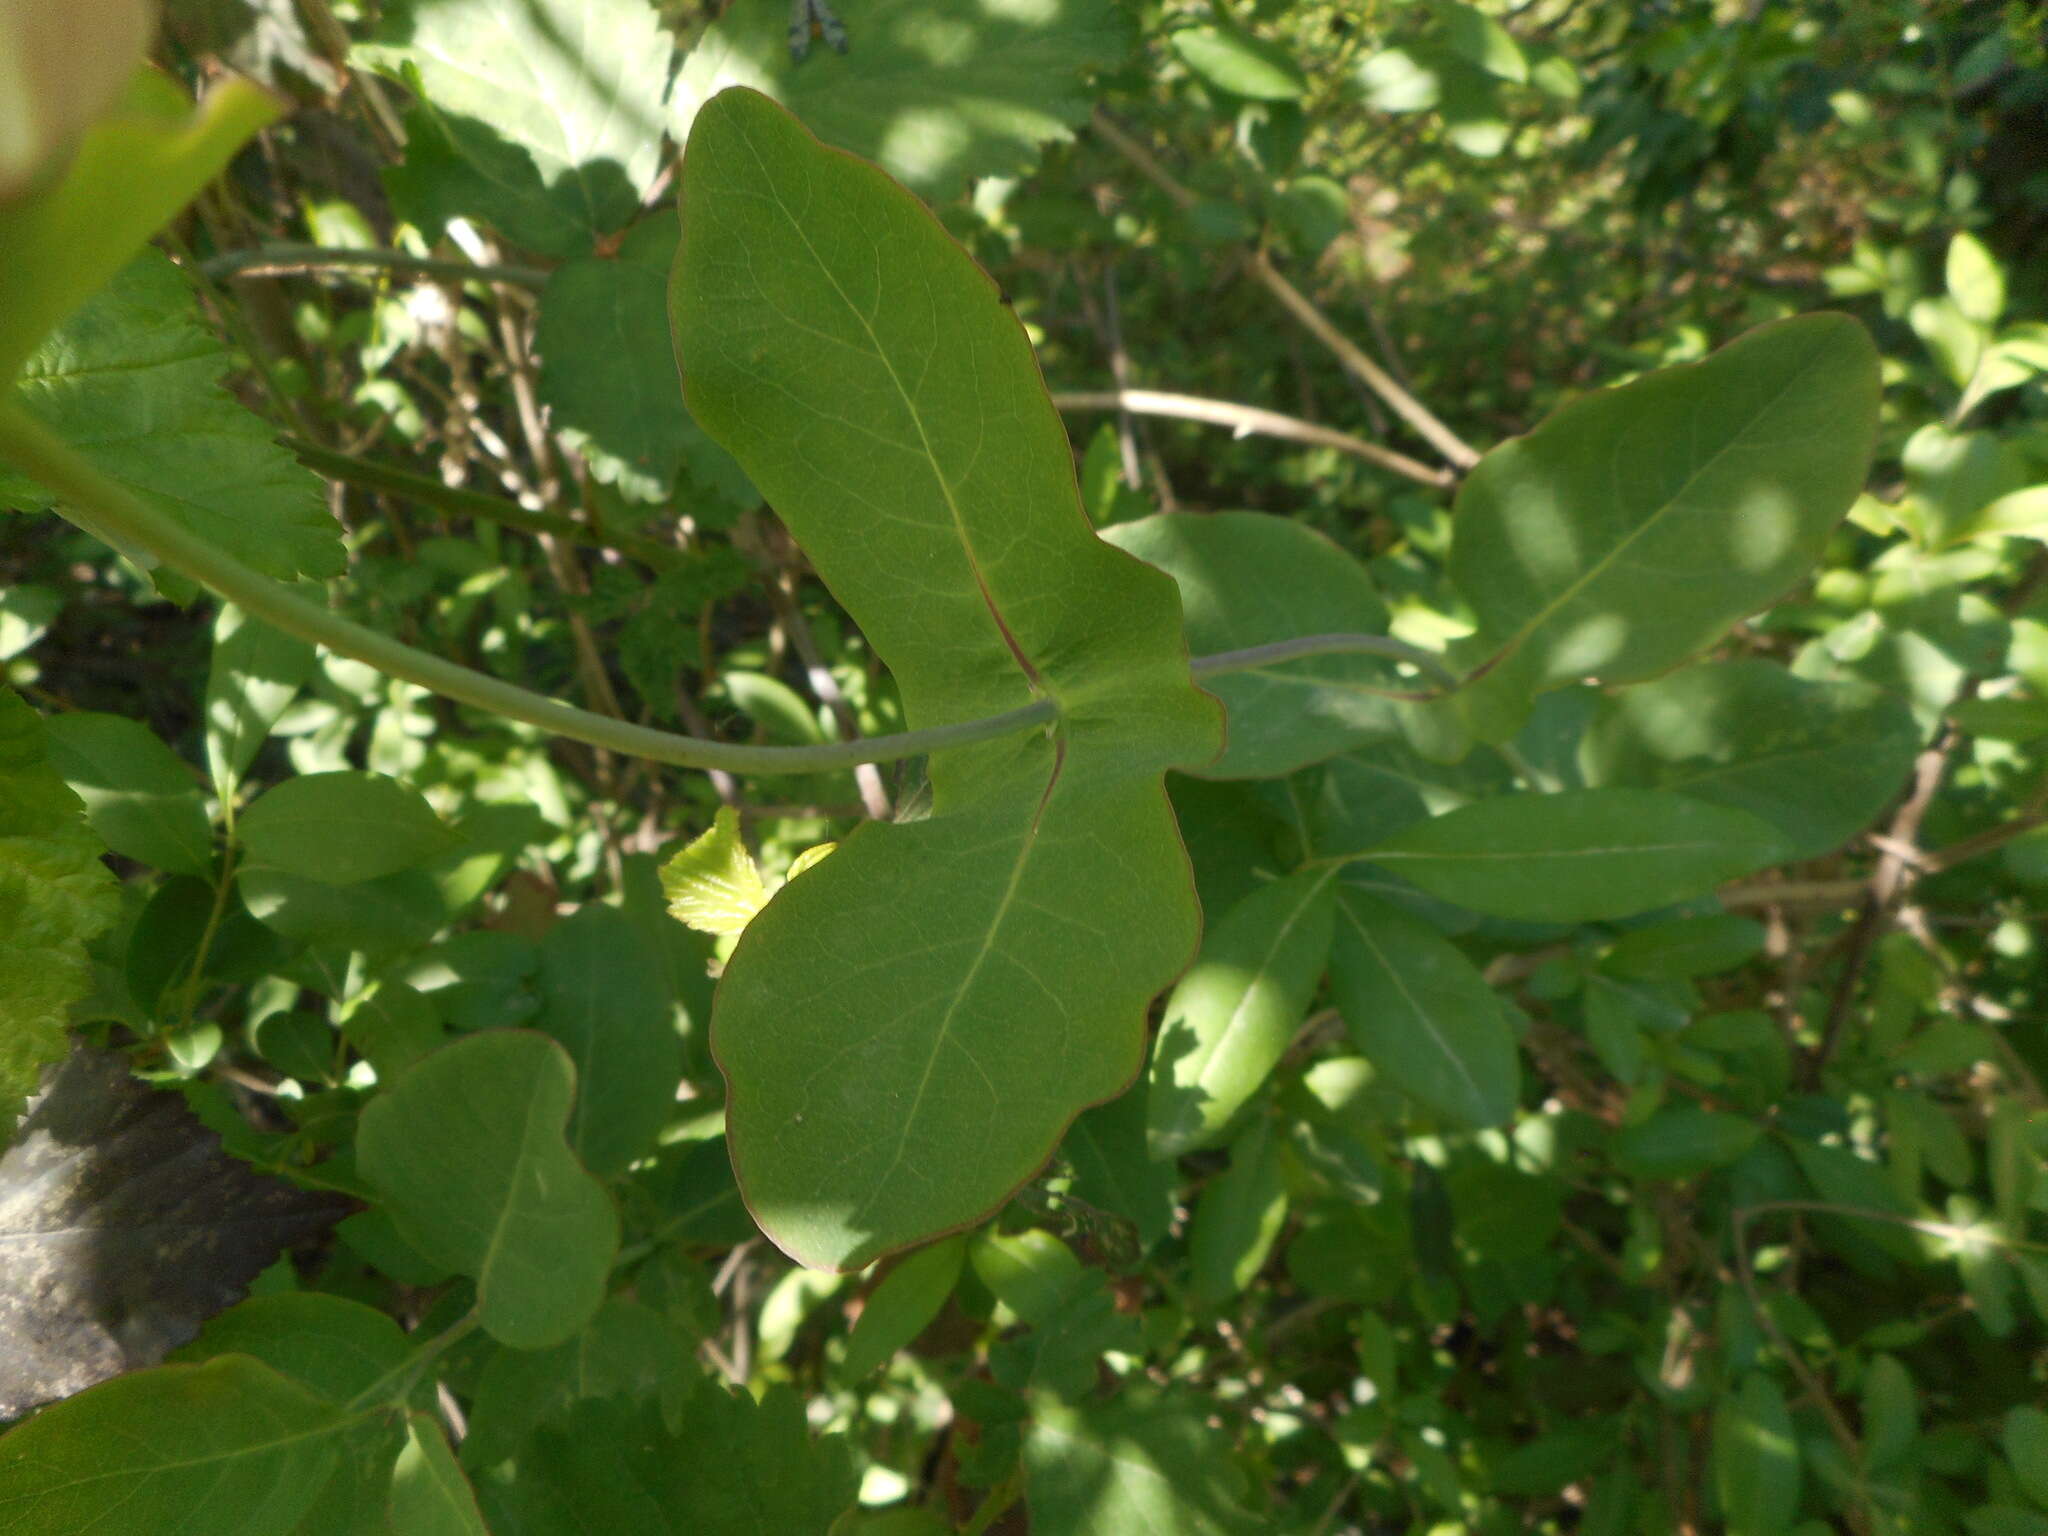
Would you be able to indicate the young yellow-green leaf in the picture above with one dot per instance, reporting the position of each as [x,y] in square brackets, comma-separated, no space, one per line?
[908,1029]
[1246,579]
[55,894]
[1756,1459]
[132,382]
[1817,760]
[603,997]
[898,1309]
[1421,1012]
[1975,280]
[1232,1015]
[1579,856]
[229,1447]
[936,91]
[1635,525]
[135,167]
[341,828]
[430,1496]
[468,1152]
[139,795]
[711,882]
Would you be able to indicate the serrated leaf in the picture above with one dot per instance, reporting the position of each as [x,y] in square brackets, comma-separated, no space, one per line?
[711,882]
[468,1152]
[1638,523]
[124,1225]
[1421,1012]
[908,1029]
[1230,1018]
[55,894]
[341,828]
[576,85]
[132,169]
[934,91]
[1246,579]
[229,1447]
[1817,760]
[603,997]
[132,382]
[139,795]
[1580,855]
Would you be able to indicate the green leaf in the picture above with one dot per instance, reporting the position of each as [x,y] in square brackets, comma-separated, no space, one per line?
[1637,524]
[1975,280]
[430,1496]
[390,913]
[1579,856]
[610,1466]
[333,1347]
[575,84]
[132,382]
[1891,1412]
[1686,946]
[1246,579]
[55,894]
[467,1151]
[899,1308]
[908,1029]
[1235,61]
[139,795]
[131,170]
[1238,1217]
[1398,80]
[711,882]
[255,674]
[229,1447]
[1481,41]
[607,370]
[1683,1141]
[341,828]
[934,91]
[1817,760]
[1232,1014]
[1140,1462]
[603,997]
[1756,1459]
[2024,1440]
[1114,1171]
[1421,1013]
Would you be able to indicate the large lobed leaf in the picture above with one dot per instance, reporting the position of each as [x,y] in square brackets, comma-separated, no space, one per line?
[909,1026]
[1635,525]
[55,894]
[132,382]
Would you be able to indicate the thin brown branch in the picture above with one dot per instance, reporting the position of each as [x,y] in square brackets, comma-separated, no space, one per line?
[1247,419]
[1426,423]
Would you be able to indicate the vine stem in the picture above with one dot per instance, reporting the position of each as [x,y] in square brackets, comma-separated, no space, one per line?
[288,260]
[113,514]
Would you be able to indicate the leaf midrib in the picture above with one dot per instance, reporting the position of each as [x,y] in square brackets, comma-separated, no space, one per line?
[1421,1013]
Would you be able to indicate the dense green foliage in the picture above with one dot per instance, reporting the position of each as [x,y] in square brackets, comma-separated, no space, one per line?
[1456,942]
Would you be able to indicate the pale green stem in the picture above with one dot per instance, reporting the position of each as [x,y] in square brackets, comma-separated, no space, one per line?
[115,515]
